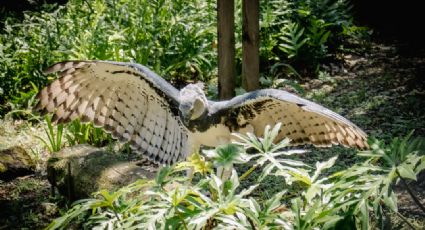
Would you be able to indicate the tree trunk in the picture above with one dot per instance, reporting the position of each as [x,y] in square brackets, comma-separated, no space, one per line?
[226,48]
[250,45]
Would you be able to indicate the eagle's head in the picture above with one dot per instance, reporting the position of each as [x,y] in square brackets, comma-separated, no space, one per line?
[193,103]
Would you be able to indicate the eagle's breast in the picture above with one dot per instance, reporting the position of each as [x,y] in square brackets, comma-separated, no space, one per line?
[214,135]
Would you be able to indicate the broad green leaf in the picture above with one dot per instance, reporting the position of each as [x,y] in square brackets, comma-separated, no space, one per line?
[406,171]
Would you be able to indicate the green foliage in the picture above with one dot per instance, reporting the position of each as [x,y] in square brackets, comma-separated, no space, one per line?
[21,104]
[397,152]
[174,38]
[197,163]
[303,33]
[373,180]
[292,41]
[282,75]
[86,133]
[75,133]
[311,199]
[226,155]
[54,139]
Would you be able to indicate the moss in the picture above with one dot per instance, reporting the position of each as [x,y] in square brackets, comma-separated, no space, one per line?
[15,162]
[3,168]
[91,169]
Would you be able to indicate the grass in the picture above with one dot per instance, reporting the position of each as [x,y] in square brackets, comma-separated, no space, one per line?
[54,138]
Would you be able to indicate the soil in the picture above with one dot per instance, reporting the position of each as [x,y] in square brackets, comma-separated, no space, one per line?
[25,202]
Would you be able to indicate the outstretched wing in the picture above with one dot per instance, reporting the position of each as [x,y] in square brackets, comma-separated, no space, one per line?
[128,100]
[303,121]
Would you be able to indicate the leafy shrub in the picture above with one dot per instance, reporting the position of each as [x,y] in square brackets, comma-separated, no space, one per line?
[86,133]
[54,139]
[303,33]
[311,199]
[174,38]
[292,40]
[75,133]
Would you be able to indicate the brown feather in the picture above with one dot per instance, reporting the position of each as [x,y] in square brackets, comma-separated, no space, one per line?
[119,99]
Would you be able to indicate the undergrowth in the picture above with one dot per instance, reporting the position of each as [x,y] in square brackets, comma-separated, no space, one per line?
[176,39]
[358,197]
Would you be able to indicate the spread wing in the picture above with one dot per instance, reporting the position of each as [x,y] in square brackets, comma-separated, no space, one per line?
[303,121]
[128,100]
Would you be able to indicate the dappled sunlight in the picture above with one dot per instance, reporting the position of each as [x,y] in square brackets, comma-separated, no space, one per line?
[131,140]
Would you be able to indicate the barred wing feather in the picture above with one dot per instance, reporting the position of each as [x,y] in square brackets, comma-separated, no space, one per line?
[303,121]
[128,100]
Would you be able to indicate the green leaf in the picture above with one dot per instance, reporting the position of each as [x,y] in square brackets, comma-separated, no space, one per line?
[391,202]
[323,165]
[364,217]
[421,165]
[197,162]
[312,191]
[162,175]
[406,171]
[227,155]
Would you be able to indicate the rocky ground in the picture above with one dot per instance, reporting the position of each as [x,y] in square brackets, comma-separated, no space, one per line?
[380,88]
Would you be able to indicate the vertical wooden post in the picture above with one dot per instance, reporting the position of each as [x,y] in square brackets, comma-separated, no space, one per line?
[250,44]
[226,48]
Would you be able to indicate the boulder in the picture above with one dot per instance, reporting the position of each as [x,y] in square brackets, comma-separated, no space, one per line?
[80,170]
[15,162]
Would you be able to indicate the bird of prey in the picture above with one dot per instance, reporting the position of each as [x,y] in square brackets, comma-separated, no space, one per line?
[165,125]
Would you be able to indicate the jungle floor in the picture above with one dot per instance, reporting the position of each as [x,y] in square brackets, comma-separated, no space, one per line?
[381,88]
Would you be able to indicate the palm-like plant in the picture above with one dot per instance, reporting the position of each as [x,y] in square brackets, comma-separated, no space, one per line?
[310,198]
[403,159]
[270,154]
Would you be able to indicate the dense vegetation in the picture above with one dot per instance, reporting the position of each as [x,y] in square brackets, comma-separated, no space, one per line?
[177,39]
[309,200]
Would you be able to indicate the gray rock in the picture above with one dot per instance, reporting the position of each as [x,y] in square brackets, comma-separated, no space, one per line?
[80,170]
[49,209]
[15,162]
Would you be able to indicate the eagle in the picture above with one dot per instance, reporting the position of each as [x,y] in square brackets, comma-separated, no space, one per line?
[165,124]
